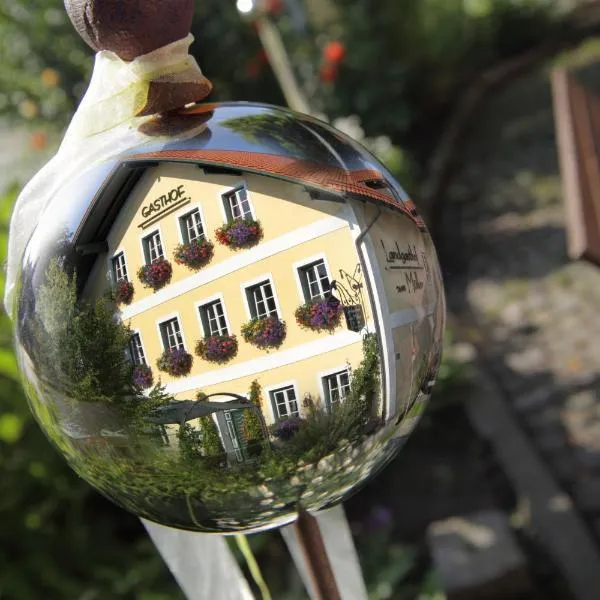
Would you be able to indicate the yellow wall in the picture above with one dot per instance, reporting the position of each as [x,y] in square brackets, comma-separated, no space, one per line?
[281,208]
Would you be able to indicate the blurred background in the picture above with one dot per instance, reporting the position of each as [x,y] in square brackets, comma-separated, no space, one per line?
[497,494]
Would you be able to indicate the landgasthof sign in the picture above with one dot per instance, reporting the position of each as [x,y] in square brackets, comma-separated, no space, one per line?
[164,204]
[402,251]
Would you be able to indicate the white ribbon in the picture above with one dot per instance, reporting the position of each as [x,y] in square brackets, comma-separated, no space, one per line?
[104,126]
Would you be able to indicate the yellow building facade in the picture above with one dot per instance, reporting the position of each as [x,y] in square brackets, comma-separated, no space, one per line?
[306,245]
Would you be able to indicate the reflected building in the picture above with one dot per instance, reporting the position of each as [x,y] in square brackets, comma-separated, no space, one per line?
[251,254]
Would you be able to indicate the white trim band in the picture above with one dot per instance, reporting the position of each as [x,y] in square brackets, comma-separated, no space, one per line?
[235,263]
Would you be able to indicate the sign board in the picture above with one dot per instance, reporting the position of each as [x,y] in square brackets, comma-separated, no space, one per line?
[355,317]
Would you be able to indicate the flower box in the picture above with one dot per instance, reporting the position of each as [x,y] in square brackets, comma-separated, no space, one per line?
[240,233]
[156,275]
[320,315]
[143,377]
[217,348]
[176,363]
[123,292]
[265,332]
[195,254]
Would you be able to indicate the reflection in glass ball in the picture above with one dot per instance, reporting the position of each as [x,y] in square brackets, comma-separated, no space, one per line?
[240,317]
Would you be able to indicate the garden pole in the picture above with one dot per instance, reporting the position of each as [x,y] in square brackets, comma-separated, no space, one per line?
[202,565]
[334,533]
[304,539]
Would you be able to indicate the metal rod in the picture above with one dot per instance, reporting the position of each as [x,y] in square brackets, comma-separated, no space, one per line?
[280,63]
[317,562]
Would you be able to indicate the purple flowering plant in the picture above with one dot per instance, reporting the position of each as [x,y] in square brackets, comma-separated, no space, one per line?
[217,348]
[264,332]
[176,362]
[240,233]
[194,254]
[319,315]
[143,377]
[286,429]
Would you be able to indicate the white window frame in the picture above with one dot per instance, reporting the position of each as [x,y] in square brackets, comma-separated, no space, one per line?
[147,234]
[275,388]
[198,305]
[166,318]
[224,191]
[297,266]
[323,374]
[186,211]
[139,334]
[248,284]
[110,264]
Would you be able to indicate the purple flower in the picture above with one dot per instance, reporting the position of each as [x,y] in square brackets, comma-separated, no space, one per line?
[176,362]
[380,517]
[320,314]
[142,377]
[286,429]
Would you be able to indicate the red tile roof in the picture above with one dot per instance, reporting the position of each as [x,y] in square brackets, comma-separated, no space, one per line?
[305,172]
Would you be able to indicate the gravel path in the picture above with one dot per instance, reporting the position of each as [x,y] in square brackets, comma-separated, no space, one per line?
[503,249]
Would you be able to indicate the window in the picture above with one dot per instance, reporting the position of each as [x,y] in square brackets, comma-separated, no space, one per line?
[171,334]
[213,319]
[284,402]
[119,267]
[137,350]
[191,226]
[314,280]
[237,204]
[153,249]
[261,300]
[336,386]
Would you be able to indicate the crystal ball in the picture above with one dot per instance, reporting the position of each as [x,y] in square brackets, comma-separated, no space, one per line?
[237,318]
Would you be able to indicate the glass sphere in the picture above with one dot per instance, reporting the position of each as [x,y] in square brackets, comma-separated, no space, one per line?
[240,317]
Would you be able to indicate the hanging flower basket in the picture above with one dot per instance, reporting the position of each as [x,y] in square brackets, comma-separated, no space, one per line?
[195,254]
[240,233]
[175,362]
[319,315]
[143,377]
[217,348]
[124,292]
[156,275]
[265,332]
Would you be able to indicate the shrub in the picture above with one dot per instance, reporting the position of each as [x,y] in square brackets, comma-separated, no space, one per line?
[217,348]
[195,254]
[156,275]
[124,292]
[264,332]
[319,315]
[252,427]
[240,233]
[176,362]
[286,429]
[143,377]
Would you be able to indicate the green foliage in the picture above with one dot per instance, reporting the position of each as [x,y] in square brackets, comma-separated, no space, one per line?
[406,62]
[252,426]
[60,538]
[83,345]
[364,388]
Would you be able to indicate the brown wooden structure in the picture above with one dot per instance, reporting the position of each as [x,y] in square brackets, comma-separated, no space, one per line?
[577,118]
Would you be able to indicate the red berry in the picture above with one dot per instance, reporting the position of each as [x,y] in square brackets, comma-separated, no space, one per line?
[334,52]
[328,73]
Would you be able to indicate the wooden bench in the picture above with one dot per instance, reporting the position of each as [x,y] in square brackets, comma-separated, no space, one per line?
[577,119]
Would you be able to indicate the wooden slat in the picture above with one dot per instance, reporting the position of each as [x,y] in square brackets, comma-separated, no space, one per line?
[577,118]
